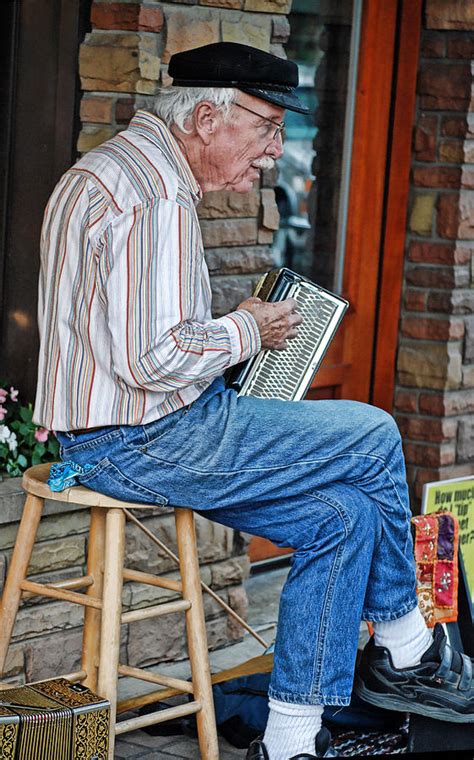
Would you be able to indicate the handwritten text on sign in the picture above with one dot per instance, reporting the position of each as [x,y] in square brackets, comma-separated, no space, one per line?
[456,496]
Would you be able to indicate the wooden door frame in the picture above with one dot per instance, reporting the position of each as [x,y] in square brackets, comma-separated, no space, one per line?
[396,206]
[380,165]
[367,192]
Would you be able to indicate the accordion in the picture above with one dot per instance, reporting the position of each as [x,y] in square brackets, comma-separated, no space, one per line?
[288,374]
[53,719]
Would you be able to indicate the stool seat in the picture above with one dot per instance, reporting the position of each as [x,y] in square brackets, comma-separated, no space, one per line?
[100,593]
[34,482]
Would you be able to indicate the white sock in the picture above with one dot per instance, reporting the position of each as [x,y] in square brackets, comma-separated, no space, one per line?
[406,638]
[291,729]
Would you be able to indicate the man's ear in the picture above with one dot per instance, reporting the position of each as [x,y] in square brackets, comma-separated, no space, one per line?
[206,120]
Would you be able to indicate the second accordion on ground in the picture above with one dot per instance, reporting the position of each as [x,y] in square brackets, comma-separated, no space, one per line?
[53,720]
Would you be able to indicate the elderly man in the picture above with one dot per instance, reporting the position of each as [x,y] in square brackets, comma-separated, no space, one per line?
[130,378]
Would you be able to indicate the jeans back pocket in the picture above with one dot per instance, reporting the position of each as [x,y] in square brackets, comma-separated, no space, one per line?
[106,478]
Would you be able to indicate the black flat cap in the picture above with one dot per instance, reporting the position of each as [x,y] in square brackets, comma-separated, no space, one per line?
[230,64]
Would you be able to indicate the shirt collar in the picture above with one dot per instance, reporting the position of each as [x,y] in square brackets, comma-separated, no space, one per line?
[155,130]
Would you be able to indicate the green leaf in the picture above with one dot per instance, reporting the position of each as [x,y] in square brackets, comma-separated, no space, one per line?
[26,413]
[23,429]
[13,469]
[53,449]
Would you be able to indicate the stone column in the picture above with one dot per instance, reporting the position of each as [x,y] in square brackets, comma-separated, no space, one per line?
[435,379]
[122,63]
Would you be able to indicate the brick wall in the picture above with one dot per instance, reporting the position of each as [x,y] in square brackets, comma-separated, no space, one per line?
[435,379]
[124,60]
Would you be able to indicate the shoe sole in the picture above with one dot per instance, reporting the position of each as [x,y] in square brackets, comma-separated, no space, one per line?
[391,702]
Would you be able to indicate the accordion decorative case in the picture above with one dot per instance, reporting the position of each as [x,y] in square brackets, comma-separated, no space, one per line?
[53,720]
[288,374]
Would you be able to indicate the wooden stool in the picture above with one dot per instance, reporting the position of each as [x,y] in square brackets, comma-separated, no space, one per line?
[103,605]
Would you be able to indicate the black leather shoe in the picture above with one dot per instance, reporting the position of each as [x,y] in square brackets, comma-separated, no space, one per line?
[440,687]
[322,746]
[258,751]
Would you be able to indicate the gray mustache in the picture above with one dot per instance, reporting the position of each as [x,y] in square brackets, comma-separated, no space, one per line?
[264,163]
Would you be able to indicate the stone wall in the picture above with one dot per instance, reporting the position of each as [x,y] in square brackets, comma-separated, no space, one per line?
[435,380]
[47,634]
[122,63]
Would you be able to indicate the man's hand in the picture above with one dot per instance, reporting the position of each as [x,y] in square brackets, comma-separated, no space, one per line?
[277,322]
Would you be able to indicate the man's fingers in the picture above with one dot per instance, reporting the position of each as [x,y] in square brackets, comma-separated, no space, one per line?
[296,319]
[249,302]
[277,322]
[289,310]
[287,306]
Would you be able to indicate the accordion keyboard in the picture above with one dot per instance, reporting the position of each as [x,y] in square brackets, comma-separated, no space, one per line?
[279,373]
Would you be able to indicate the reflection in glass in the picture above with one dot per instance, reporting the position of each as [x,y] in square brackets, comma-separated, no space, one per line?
[316,160]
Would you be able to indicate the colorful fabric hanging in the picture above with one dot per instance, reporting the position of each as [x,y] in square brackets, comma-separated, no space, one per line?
[437,572]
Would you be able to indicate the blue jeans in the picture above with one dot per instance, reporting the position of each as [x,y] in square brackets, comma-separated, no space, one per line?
[326,478]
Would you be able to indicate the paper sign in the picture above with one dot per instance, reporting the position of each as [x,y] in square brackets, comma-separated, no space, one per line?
[456,496]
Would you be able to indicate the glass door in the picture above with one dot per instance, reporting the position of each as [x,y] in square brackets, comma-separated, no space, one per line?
[335,177]
[313,188]
[314,172]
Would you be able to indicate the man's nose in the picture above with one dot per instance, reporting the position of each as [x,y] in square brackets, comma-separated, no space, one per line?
[275,148]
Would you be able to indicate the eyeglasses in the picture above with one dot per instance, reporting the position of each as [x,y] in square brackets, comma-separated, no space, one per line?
[280,126]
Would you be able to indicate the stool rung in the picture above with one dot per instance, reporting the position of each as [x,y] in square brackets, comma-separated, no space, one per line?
[69,584]
[133,703]
[144,675]
[39,589]
[261,664]
[77,675]
[149,720]
[151,580]
[158,609]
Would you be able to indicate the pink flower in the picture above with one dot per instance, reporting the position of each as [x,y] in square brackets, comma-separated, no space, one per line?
[13,393]
[42,435]
[3,395]
[3,412]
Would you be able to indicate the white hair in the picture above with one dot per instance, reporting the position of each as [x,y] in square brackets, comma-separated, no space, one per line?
[175,105]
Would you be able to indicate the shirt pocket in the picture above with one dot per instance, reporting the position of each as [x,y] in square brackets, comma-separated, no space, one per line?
[106,478]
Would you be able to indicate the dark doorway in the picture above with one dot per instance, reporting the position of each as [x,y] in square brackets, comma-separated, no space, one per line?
[39,113]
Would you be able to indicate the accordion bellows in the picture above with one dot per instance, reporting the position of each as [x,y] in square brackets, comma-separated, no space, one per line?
[288,374]
[53,719]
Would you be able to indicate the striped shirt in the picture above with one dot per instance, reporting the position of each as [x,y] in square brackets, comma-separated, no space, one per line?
[126,331]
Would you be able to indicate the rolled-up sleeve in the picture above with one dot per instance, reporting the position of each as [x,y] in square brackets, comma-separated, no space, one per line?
[154,289]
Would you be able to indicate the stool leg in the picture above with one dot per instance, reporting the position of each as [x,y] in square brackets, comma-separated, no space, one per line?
[196,633]
[111,613]
[20,560]
[92,616]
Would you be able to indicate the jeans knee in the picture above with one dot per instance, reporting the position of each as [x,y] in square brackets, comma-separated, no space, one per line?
[354,514]
[386,426]
[327,524]
[364,518]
